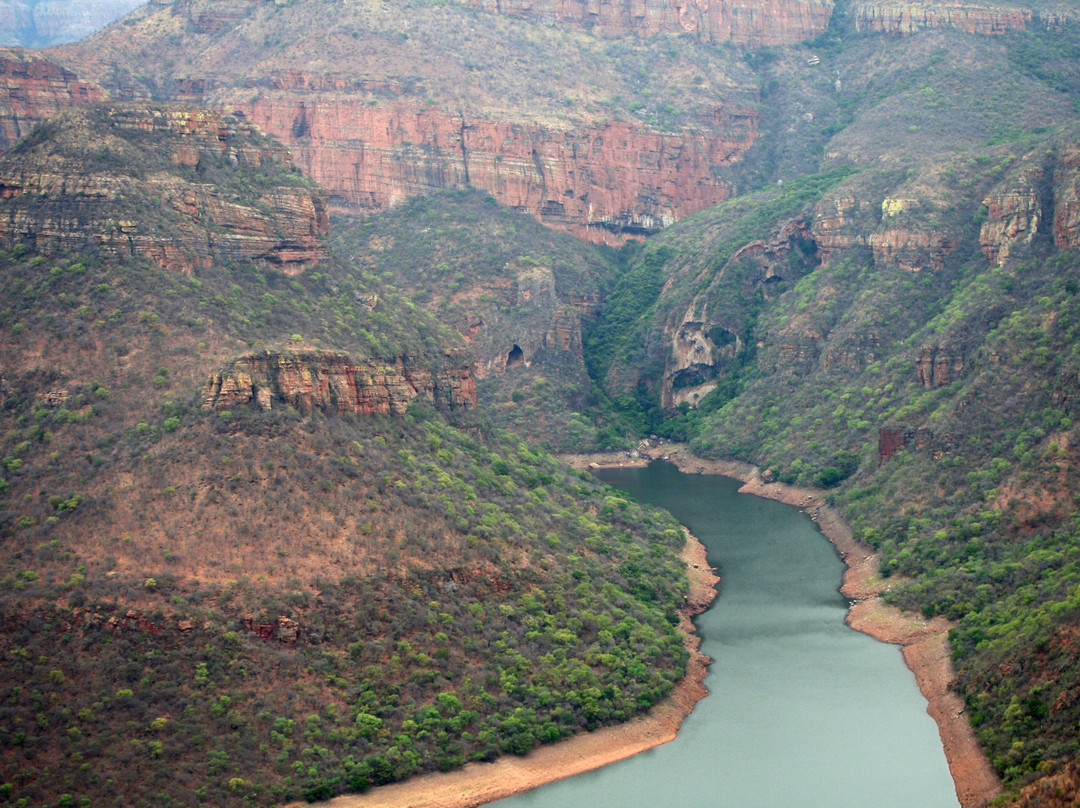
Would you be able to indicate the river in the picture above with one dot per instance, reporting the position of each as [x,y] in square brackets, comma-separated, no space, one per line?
[803,712]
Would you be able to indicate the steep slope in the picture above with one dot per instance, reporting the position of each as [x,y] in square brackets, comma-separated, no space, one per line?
[742,22]
[605,138]
[907,337]
[32,88]
[890,315]
[253,547]
[516,291]
[101,164]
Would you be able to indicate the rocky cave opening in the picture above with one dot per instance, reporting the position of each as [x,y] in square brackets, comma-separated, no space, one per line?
[515,357]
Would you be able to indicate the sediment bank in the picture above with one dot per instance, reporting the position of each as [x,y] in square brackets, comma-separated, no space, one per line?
[924,642]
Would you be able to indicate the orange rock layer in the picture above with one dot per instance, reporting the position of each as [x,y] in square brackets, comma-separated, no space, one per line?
[601,182]
[329,381]
[751,23]
[32,88]
[907,18]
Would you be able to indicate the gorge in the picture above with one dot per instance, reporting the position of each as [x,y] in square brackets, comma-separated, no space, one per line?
[295,297]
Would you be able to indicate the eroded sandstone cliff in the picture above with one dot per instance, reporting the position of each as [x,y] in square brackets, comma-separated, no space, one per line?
[907,18]
[743,22]
[313,380]
[608,142]
[32,88]
[85,183]
[601,182]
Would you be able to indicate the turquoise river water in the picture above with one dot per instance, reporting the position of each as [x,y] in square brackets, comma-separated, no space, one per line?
[802,712]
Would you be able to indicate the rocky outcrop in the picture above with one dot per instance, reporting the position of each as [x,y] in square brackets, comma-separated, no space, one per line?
[893,440]
[1041,195]
[705,343]
[851,353]
[911,250]
[1012,219]
[902,236]
[283,630]
[1067,197]
[750,23]
[907,17]
[840,223]
[939,365]
[312,380]
[602,182]
[32,88]
[692,364]
[89,183]
[533,328]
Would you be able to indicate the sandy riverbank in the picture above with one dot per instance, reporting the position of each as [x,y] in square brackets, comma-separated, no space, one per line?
[479,783]
[925,643]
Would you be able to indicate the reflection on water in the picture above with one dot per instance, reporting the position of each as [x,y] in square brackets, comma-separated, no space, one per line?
[803,712]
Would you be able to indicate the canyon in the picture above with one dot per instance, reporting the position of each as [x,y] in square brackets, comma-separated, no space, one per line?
[40,23]
[276,276]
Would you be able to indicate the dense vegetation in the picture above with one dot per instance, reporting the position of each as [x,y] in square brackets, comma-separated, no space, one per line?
[232,606]
[510,618]
[928,383]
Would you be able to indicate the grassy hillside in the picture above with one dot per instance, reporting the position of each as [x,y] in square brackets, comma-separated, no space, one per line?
[888,310]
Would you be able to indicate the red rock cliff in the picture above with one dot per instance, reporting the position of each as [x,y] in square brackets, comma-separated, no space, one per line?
[751,23]
[600,182]
[328,381]
[89,183]
[907,18]
[32,88]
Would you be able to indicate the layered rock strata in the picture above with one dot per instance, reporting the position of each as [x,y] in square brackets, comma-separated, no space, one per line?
[89,190]
[1012,219]
[313,380]
[893,440]
[1067,197]
[32,88]
[899,237]
[907,17]
[939,365]
[602,182]
[749,23]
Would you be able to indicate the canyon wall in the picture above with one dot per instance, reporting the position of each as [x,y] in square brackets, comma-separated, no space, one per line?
[32,88]
[39,23]
[749,23]
[328,381]
[86,187]
[602,182]
[907,18]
